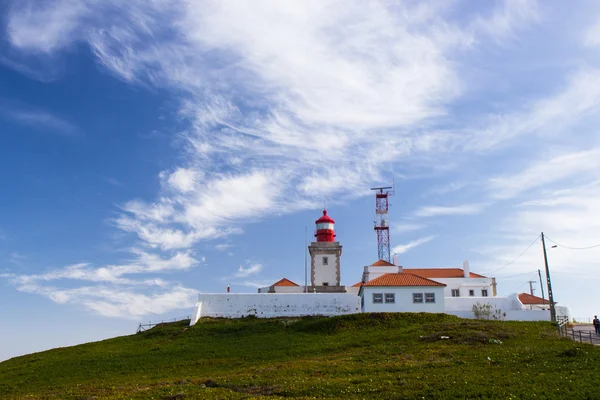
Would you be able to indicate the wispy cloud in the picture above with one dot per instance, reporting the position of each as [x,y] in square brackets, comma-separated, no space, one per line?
[245,272]
[118,302]
[16,258]
[570,165]
[223,246]
[39,120]
[436,211]
[110,290]
[403,248]
[400,227]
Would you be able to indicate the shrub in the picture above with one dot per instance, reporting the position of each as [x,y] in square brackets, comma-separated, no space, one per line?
[487,311]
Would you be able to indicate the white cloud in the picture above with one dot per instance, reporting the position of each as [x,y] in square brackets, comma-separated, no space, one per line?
[44,27]
[118,302]
[547,118]
[403,248]
[183,179]
[399,227]
[570,165]
[38,119]
[507,19]
[591,36]
[223,246]
[144,263]
[16,258]
[113,294]
[245,272]
[436,211]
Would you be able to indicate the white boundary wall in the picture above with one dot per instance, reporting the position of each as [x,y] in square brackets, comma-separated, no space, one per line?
[273,305]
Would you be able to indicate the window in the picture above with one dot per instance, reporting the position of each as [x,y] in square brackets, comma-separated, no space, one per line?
[471,292]
[377,298]
[325,261]
[325,283]
[390,298]
[429,297]
[417,297]
[484,293]
[455,292]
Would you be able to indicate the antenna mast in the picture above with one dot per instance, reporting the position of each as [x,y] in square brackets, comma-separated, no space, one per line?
[381,222]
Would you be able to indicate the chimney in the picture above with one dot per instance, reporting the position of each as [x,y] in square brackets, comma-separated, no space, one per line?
[365,277]
[466,269]
[493,286]
[395,258]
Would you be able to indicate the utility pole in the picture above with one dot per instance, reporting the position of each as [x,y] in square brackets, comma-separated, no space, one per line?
[549,282]
[541,284]
[531,290]
[305,261]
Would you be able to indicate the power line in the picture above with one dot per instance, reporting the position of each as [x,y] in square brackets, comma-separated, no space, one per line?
[572,248]
[519,256]
[514,276]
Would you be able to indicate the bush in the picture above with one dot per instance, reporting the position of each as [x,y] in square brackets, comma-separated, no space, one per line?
[487,311]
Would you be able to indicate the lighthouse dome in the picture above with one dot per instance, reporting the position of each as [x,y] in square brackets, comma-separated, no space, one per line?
[325,218]
[325,228]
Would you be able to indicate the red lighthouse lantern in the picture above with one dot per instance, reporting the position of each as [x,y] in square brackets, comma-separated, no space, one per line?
[325,228]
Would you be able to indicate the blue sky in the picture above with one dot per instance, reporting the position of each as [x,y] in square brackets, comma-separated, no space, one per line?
[150,151]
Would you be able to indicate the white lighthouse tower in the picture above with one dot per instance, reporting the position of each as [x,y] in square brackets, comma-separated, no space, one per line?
[325,256]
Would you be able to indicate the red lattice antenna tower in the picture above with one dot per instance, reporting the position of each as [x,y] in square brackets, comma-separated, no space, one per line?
[381,223]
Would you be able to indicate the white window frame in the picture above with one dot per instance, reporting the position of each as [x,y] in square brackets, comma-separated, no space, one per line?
[325,260]
[417,298]
[377,298]
[455,292]
[471,292]
[389,298]
[430,298]
[484,293]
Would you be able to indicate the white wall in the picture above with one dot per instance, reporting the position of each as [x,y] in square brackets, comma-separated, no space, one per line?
[371,272]
[275,305]
[325,273]
[511,315]
[403,299]
[353,289]
[466,303]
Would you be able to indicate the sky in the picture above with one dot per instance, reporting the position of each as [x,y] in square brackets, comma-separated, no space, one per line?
[154,150]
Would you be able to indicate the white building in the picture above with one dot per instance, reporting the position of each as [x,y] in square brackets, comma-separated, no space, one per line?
[402,292]
[459,282]
[282,286]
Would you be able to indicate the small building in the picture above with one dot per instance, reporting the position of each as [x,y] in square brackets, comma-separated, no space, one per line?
[532,302]
[283,285]
[402,292]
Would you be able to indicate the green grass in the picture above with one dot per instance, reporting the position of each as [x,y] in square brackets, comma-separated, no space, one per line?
[380,356]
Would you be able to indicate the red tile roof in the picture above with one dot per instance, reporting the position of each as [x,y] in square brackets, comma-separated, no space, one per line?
[402,279]
[285,282]
[441,272]
[382,263]
[357,284]
[528,299]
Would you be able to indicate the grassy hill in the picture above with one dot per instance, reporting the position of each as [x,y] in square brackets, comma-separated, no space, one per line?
[382,356]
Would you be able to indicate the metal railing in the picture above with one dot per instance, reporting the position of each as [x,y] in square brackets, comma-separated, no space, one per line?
[579,335]
[143,327]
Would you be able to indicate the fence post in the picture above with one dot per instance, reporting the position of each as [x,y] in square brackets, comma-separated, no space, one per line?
[591,342]
[580,339]
[573,332]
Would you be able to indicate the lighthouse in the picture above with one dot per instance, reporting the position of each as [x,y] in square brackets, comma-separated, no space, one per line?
[325,256]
